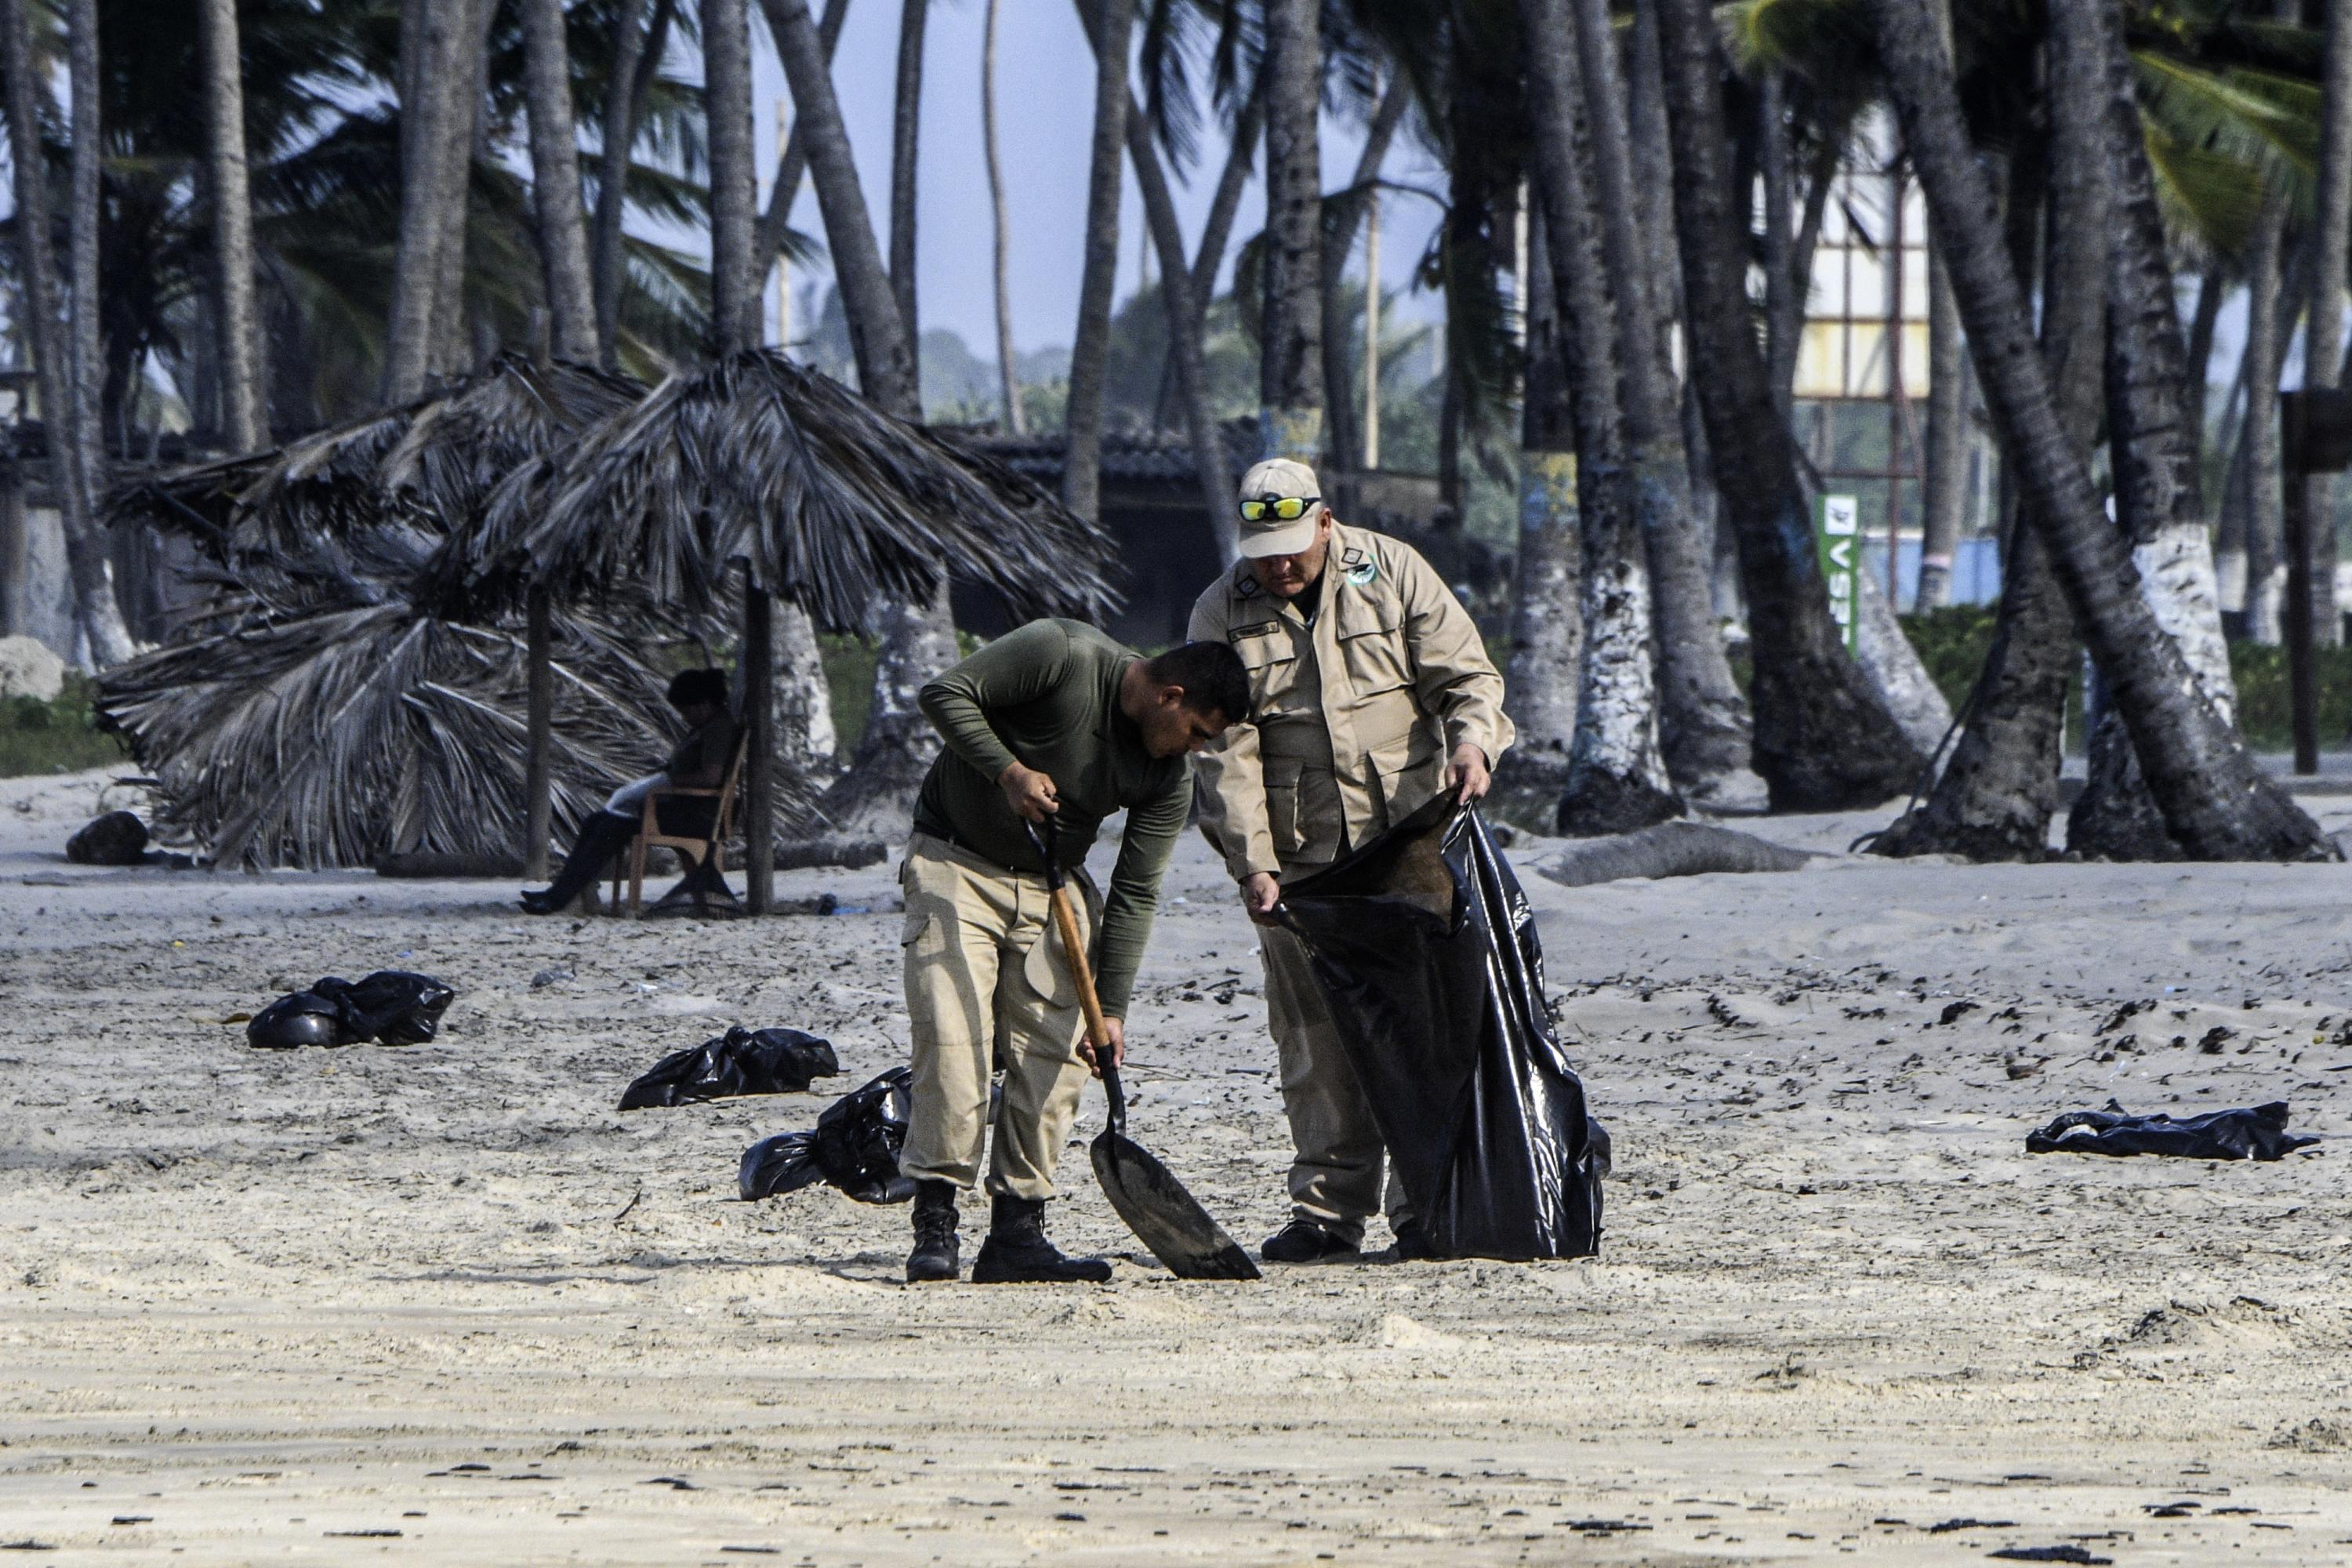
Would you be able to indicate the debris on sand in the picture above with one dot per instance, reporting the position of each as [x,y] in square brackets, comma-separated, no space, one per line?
[117,838]
[742,1061]
[2258,1132]
[391,1006]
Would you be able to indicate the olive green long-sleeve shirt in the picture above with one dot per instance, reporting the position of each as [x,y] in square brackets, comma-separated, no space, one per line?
[1046,696]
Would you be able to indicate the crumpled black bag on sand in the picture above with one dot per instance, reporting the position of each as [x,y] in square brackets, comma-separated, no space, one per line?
[2256,1133]
[1427,953]
[855,1147]
[742,1061]
[391,1008]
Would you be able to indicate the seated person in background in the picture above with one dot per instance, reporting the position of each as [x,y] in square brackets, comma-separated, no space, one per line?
[700,761]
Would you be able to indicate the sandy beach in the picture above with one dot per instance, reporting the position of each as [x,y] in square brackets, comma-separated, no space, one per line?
[444,1304]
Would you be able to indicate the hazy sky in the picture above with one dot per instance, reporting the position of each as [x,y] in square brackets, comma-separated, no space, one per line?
[1044,96]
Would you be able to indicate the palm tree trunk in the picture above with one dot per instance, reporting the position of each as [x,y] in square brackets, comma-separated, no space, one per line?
[2331,240]
[2217,803]
[1217,229]
[1784,295]
[1824,738]
[555,182]
[1184,348]
[84,310]
[1008,376]
[875,795]
[2268,327]
[1547,608]
[2212,288]
[633,45]
[1948,441]
[1342,216]
[429,63]
[97,617]
[232,205]
[1704,725]
[1290,339]
[466,138]
[1995,799]
[877,337]
[1617,779]
[791,159]
[805,740]
[734,176]
[2154,450]
[1090,351]
[906,123]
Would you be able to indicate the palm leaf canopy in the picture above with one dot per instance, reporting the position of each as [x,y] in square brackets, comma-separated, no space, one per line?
[428,465]
[831,502]
[326,720]
[436,458]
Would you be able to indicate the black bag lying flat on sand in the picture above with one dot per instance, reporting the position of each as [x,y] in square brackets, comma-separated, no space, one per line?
[1427,953]
[2257,1132]
[742,1061]
[391,1006]
[855,1147]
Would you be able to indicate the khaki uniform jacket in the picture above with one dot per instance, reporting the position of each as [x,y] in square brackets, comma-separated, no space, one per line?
[1352,720]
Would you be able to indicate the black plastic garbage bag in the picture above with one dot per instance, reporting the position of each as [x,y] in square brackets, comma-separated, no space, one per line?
[391,1006]
[2258,1132]
[855,1147]
[742,1061]
[1427,952]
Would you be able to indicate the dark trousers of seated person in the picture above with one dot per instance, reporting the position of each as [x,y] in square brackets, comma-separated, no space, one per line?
[607,833]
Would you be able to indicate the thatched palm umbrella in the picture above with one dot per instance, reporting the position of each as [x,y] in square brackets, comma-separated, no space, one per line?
[431,462]
[425,468]
[322,716]
[819,496]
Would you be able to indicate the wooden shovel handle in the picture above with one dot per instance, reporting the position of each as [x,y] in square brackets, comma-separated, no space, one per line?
[1066,920]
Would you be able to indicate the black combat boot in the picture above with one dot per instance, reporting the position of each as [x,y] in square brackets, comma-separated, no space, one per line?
[935,1256]
[1017,1253]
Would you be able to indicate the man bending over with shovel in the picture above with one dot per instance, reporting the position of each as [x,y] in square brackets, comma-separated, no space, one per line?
[1052,722]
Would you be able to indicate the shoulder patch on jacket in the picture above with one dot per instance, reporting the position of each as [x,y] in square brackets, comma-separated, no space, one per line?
[1363,567]
[1244,586]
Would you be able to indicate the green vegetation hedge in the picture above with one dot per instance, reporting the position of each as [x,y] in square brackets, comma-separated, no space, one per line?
[60,736]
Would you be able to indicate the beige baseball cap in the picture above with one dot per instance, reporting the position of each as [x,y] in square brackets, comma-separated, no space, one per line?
[1277,479]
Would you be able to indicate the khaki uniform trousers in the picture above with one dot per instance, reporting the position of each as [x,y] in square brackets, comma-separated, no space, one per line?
[988,986]
[1335,1179]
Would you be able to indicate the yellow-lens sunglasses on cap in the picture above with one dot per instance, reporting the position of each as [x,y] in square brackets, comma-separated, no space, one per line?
[1286,509]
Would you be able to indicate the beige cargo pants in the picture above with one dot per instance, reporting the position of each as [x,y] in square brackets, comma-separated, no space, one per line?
[987,986]
[1334,1178]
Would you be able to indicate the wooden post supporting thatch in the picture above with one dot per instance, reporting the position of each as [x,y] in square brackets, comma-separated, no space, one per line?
[540,723]
[759,654]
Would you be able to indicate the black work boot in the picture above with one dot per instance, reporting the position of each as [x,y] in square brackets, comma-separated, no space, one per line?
[1017,1253]
[935,1256]
[1304,1241]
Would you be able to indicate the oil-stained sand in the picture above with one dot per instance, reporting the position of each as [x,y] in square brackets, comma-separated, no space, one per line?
[273,1308]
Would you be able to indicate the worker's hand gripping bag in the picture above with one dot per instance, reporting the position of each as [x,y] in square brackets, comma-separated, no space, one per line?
[1426,950]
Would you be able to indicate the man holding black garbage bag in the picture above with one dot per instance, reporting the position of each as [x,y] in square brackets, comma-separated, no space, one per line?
[1052,724]
[1371,693]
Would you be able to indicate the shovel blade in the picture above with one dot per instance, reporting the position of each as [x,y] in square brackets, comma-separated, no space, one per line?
[1163,1215]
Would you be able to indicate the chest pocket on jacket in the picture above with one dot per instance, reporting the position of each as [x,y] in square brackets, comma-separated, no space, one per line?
[1273,666]
[1372,648]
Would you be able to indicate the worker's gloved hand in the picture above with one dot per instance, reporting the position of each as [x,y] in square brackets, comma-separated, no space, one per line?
[1116,1029]
[1260,894]
[1467,774]
[1030,793]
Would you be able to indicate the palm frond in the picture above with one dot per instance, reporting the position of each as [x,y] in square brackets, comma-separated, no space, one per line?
[344,734]
[831,502]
